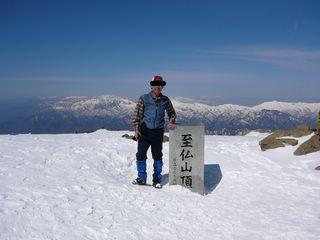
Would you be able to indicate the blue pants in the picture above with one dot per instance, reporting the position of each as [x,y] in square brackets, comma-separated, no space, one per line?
[153,138]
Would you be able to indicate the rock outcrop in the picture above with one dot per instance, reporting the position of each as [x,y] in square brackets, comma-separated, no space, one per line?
[276,139]
[289,141]
[309,146]
[127,136]
[165,138]
[271,143]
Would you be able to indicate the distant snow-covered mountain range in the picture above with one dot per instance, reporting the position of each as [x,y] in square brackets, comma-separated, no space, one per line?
[81,114]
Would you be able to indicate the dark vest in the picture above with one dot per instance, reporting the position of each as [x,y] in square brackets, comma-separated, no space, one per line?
[154,111]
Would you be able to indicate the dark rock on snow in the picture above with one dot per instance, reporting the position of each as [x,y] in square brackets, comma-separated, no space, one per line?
[311,145]
[127,136]
[275,139]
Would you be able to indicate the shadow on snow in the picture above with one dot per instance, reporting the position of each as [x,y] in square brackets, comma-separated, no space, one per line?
[212,177]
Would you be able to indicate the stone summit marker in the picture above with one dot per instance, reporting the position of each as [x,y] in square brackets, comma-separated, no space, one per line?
[186,157]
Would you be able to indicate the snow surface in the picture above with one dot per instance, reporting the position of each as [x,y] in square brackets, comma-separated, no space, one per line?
[78,186]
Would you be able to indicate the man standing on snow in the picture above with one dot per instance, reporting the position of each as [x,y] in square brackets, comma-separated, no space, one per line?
[149,123]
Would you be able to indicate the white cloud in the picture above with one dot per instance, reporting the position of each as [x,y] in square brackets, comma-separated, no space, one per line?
[49,78]
[203,77]
[285,57]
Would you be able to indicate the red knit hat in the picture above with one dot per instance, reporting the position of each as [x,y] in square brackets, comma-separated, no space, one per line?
[157,80]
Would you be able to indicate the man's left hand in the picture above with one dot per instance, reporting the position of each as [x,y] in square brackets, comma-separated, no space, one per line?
[171,125]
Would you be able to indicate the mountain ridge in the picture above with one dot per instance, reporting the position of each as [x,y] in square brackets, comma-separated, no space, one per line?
[83,113]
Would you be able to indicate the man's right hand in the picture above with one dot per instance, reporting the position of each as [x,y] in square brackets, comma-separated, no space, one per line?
[137,134]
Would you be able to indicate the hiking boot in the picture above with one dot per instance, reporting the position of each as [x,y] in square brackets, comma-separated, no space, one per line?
[139,181]
[157,185]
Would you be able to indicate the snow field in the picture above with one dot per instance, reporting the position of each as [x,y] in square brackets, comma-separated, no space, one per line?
[78,186]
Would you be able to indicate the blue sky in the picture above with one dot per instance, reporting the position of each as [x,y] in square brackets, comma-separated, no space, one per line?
[243,52]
